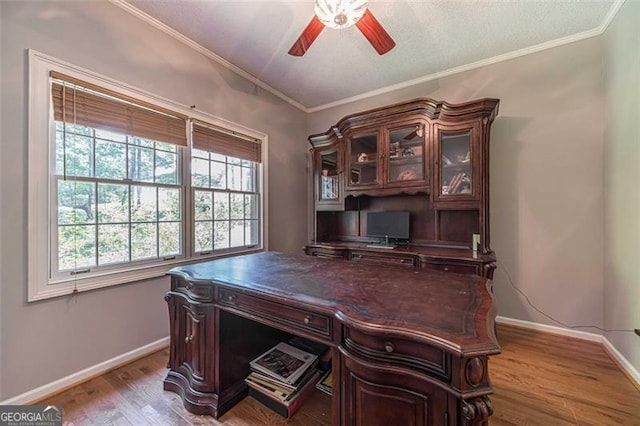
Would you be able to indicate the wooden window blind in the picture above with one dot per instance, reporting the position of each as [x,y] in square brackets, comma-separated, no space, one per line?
[79,102]
[209,139]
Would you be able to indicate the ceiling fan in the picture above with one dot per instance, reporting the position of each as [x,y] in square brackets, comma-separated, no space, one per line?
[340,14]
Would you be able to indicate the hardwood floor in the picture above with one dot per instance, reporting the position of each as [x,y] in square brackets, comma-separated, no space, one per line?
[545,379]
[539,379]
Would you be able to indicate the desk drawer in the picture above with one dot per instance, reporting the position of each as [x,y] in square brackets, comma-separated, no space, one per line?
[287,316]
[326,253]
[420,356]
[383,258]
[452,267]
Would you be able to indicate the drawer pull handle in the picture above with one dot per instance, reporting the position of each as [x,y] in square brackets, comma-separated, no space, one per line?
[388,346]
[357,256]
[231,298]
[446,268]
[188,339]
[308,319]
[405,261]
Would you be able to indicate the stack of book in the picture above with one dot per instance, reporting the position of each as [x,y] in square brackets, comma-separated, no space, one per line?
[326,382]
[460,184]
[283,377]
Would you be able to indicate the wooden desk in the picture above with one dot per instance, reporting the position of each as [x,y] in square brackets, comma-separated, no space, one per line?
[409,346]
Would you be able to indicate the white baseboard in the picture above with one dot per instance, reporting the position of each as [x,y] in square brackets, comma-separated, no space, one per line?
[624,363]
[86,374]
[593,337]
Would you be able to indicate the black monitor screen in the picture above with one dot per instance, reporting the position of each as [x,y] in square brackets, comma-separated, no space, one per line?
[388,224]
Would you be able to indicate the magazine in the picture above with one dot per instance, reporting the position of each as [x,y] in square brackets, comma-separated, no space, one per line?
[325,384]
[320,349]
[287,407]
[268,388]
[284,362]
[289,386]
[256,375]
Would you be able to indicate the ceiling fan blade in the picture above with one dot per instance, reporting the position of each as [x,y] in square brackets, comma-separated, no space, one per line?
[303,43]
[373,31]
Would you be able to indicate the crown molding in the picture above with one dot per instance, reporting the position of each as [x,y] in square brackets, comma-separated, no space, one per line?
[615,7]
[613,11]
[203,50]
[463,68]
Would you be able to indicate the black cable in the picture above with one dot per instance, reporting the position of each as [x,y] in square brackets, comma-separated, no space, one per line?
[549,316]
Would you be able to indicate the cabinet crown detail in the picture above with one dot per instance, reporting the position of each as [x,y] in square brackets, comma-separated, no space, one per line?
[483,109]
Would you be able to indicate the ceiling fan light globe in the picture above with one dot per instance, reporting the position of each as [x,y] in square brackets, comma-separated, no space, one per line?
[340,14]
[341,19]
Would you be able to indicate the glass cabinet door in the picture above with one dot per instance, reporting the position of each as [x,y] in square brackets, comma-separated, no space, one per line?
[406,156]
[363,160]
[329,185]
[456,168]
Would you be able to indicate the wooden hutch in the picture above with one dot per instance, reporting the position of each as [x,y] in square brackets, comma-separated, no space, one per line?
[424,157]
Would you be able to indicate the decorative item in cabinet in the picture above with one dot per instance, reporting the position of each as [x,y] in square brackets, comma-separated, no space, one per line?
[456,170]
[391,157]
[459,170]
[328,178]
[362,157]
[406,165]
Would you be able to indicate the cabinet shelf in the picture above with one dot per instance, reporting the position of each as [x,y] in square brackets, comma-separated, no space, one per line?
[404,161]
[410,143]
[370,163]
[459,166]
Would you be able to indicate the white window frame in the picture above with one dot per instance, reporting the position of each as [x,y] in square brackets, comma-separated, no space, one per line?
[100,269]
[41,135]
[229,191]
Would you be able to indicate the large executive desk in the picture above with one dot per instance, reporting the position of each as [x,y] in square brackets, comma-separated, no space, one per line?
[409,347]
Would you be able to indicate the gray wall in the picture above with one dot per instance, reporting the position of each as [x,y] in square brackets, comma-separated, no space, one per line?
[44,341]
[622,178]
[546,175]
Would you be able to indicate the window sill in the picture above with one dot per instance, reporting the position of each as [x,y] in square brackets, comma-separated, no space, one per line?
[80,285]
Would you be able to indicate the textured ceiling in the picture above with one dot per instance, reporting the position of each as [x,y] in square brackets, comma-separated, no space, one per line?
[432,37]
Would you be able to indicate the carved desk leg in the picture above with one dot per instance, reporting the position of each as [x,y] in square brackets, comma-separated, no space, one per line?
[477,411]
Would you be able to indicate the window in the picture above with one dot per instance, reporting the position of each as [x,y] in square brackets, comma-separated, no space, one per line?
[225,190]
[116,199]
[116,192]
[225,202]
